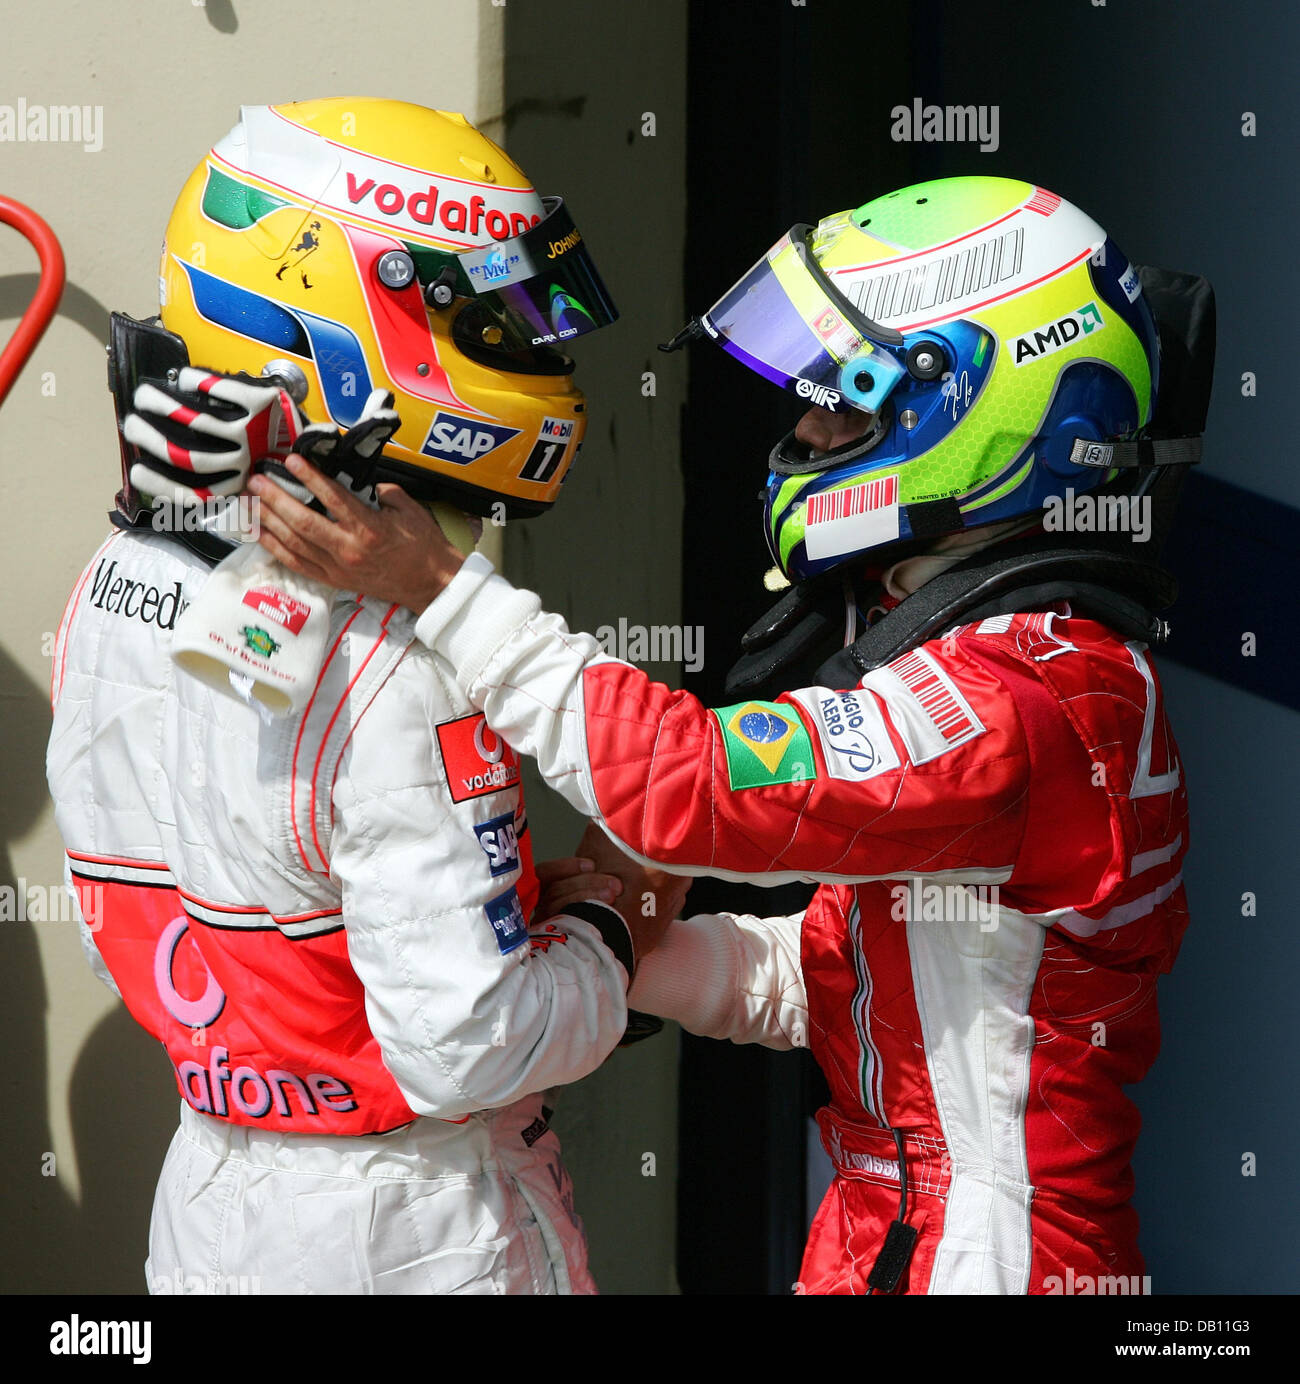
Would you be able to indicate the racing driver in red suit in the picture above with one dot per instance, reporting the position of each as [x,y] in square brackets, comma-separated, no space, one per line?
[981,781]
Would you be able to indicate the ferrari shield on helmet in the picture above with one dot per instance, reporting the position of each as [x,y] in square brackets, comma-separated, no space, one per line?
[355,244]
[997,338]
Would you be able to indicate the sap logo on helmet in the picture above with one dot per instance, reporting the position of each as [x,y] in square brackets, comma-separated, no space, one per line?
[1056,336]
[463,440]
[1131,284]
[818,394]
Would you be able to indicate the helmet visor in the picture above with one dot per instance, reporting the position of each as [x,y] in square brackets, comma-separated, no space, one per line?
[540,288]
[788,322]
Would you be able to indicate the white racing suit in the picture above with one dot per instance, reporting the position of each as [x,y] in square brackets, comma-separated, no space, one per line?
[324,920]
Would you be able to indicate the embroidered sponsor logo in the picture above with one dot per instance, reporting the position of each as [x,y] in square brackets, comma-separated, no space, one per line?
[860,1162]
[530,1134]
[870,1163]
[463,440]
[136,600]
[1056,336]
[251,1092]
[550,936]
[255,1093]
[851,518]
[279,607]
[476,759]
[924,704]
[258,640]
[851,732]
[499,842]
[506,914]
[765,744]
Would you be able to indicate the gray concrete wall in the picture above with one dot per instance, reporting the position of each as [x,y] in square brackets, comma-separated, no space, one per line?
[596,111]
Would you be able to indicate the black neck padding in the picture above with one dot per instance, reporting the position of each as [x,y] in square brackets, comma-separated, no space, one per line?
[1115,588]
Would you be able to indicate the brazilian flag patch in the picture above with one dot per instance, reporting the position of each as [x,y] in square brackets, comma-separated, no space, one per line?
[766,744]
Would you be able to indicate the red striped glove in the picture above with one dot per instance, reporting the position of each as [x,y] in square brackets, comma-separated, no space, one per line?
[206,432]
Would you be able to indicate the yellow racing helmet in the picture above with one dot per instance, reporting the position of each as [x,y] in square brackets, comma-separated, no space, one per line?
[355,244]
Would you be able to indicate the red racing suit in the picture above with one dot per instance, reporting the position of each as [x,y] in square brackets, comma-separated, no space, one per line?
[997,821]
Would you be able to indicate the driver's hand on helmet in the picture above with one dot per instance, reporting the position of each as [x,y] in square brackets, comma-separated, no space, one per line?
[396,552]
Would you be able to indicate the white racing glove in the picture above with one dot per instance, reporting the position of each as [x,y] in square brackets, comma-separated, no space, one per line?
[204,433]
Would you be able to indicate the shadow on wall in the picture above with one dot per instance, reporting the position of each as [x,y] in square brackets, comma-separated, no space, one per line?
[221,15]
[122,1099]
[18,290]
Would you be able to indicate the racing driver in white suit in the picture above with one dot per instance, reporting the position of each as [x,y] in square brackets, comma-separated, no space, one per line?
[328,918]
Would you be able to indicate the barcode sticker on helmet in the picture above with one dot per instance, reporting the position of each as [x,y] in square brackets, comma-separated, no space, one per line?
[851,519]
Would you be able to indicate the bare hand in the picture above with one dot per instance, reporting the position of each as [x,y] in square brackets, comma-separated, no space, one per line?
[651,898]
[396,552]
[572,880]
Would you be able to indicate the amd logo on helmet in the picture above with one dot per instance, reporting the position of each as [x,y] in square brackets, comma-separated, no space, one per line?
[1045,341]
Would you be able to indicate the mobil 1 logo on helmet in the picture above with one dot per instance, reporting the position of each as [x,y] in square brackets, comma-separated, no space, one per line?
[548,451]
[462,440]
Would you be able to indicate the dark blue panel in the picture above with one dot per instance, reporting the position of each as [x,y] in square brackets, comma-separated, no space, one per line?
[1234,554]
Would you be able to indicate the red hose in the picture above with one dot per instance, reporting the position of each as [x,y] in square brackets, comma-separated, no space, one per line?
[48,292]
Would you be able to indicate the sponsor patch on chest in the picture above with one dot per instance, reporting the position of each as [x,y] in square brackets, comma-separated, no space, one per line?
[476,759]
[500,843]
